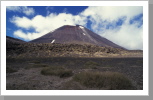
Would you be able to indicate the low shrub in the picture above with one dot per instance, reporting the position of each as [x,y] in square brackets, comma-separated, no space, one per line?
[72,85]
[105,80]
[36,66]
[91,64]
[57,71]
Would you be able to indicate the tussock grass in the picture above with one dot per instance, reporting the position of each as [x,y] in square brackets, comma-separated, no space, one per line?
[57,71]
[36,66]
[72,85]
[91,65]
[105,80]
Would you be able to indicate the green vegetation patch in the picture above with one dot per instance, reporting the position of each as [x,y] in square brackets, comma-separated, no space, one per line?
[57,71]
[91,64]
[105,80]
[36,66]
[108,66]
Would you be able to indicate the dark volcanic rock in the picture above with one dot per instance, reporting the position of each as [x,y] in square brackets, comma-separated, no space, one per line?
[75,34]
[13,45]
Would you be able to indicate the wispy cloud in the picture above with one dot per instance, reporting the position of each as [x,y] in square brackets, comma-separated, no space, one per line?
[28,36]
[13,8]
[22,9]
[49,8]
[65,10]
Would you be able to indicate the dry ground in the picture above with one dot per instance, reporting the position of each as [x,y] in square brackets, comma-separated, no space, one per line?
[25,73]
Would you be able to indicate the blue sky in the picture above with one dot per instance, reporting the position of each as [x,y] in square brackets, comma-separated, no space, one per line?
[123,25]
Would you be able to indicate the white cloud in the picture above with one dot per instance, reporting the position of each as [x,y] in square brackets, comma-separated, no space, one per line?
[27,36]
[44,24]
[22,9]
[112,12]
[126,35]
[23,22]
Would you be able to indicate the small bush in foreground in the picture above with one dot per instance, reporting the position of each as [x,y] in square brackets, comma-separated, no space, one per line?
[57,71]
[105,80]
[72,85]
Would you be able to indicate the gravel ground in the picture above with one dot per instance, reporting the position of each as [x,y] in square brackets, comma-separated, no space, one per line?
[29,78]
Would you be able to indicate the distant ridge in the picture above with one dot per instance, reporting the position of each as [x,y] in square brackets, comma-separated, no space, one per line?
[13,40]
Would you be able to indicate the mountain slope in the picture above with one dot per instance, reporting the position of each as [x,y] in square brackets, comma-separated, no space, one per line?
[75,34]
[13,40]
[32,50]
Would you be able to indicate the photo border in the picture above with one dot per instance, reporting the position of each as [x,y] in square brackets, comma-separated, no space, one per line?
[75,92]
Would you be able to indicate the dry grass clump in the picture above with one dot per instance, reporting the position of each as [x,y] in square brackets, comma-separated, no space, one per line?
[72,85]
[91,64]
[105,80]
[57,71]
[36,66]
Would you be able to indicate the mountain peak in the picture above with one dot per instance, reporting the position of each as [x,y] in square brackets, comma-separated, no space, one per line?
[71,26]
[75,34]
